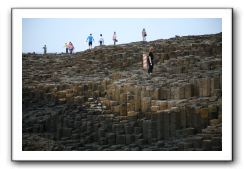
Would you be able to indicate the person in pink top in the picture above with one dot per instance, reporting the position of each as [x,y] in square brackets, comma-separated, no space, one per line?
[71,47]
[115,38]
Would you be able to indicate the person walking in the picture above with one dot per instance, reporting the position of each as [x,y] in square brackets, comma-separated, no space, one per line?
[101,40]
[71,47]
[144,34]
[45,49]
[115,38]
[90,39]
[66,48]
[150,61]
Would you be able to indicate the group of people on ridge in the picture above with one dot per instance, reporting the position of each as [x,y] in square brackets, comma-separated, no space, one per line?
[70,47]
[90,40]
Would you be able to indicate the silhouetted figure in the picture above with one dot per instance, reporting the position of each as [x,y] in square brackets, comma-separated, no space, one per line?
[90,39]
[115,38]
[101,40]
[45,49]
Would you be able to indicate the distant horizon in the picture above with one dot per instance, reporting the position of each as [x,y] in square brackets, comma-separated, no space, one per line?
[37,32]
[63,52]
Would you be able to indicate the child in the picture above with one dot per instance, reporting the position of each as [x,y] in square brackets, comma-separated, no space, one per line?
[66,48]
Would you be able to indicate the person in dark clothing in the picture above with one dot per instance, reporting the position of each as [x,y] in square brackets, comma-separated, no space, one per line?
[150,61]
[45,49]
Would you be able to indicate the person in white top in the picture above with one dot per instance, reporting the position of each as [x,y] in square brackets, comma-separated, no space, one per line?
[144,34]
[101,40]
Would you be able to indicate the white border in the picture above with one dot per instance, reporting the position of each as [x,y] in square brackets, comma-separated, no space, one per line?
[19,155]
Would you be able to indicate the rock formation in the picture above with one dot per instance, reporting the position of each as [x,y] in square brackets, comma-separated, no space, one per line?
[102,99]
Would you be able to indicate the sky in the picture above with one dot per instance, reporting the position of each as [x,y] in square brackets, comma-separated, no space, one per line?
[54,32]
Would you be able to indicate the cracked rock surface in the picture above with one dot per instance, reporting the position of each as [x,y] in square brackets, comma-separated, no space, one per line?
[102,99]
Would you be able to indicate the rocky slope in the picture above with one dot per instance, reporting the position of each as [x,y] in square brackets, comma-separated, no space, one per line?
[102,99]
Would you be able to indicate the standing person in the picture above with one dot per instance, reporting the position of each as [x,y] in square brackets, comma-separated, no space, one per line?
[90,39]
[66,48]
[150,61]
[144,34]
[71,47]
[45,49]
[115,38]
[101,40]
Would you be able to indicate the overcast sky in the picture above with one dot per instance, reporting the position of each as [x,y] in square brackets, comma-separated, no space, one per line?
[55,32]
